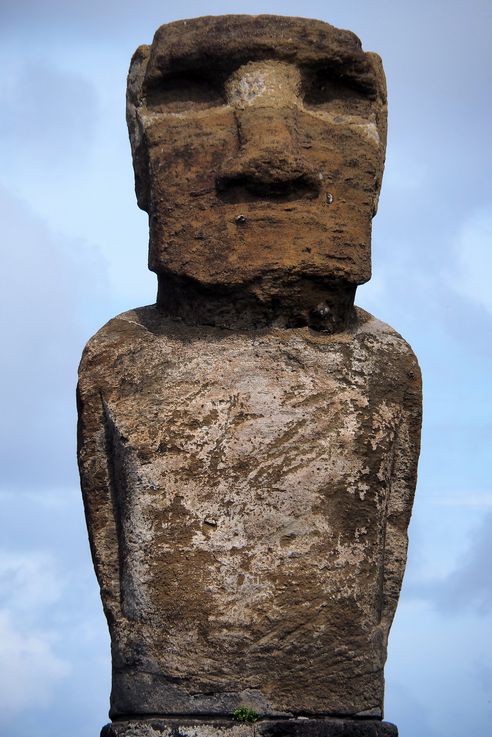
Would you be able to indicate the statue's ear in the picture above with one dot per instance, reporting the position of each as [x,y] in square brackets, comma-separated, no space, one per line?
[381,110]
[134,98]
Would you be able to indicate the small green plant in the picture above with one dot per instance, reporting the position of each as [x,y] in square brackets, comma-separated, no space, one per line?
[246,715]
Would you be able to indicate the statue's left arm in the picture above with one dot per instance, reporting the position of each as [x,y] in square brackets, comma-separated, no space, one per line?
[402,487]
[94,459]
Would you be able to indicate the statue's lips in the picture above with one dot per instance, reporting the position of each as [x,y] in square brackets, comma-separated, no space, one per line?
[305,190]
[283,219]
[285,210]
[281,201]
[267,196]
[240,185]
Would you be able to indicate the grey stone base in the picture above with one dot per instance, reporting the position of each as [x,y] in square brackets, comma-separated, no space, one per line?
[295,727]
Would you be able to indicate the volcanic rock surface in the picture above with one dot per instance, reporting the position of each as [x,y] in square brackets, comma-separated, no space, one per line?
[248,446]
[249,498]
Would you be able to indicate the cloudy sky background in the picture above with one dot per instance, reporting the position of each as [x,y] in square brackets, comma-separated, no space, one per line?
[74,254]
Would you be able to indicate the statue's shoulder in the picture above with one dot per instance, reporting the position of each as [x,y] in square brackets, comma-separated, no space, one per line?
[388,348]
[121,340]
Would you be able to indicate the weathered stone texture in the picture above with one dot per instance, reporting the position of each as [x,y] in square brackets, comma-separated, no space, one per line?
[258,488]
[262,172]
[248,446]
[265,728]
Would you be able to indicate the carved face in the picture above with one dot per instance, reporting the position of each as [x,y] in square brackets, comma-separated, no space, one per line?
[258,147]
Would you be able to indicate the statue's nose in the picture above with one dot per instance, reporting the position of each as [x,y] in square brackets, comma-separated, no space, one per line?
[268,162]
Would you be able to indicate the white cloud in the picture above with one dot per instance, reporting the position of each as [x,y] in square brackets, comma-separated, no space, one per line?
[30,669]
[54,663]
[29,581]
[436,665]
[44,276]
[466,585]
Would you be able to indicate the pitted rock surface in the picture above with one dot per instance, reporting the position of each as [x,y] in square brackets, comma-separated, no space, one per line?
[248,446]
[258,147]
[261,486]
[265,728]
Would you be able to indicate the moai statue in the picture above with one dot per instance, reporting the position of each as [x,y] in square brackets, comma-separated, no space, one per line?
[248,445]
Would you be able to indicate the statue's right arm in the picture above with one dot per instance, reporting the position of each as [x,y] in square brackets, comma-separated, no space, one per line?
[94,459]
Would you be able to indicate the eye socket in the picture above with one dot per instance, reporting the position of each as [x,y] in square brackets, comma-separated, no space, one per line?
[334,94]
[185,91]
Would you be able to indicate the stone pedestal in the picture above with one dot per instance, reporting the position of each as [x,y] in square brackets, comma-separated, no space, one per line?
[295,727]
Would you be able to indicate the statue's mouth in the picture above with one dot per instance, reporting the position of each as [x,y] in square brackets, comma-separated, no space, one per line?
[274,178]
[248,189]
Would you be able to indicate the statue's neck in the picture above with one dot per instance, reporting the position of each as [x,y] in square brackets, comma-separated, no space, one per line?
[323,305]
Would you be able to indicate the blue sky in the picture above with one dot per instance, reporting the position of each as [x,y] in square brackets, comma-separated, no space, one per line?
[74,254]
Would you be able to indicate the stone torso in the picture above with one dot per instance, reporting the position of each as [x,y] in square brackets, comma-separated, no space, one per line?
[251,475]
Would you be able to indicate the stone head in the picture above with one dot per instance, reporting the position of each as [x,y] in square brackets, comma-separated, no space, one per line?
[258,148]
